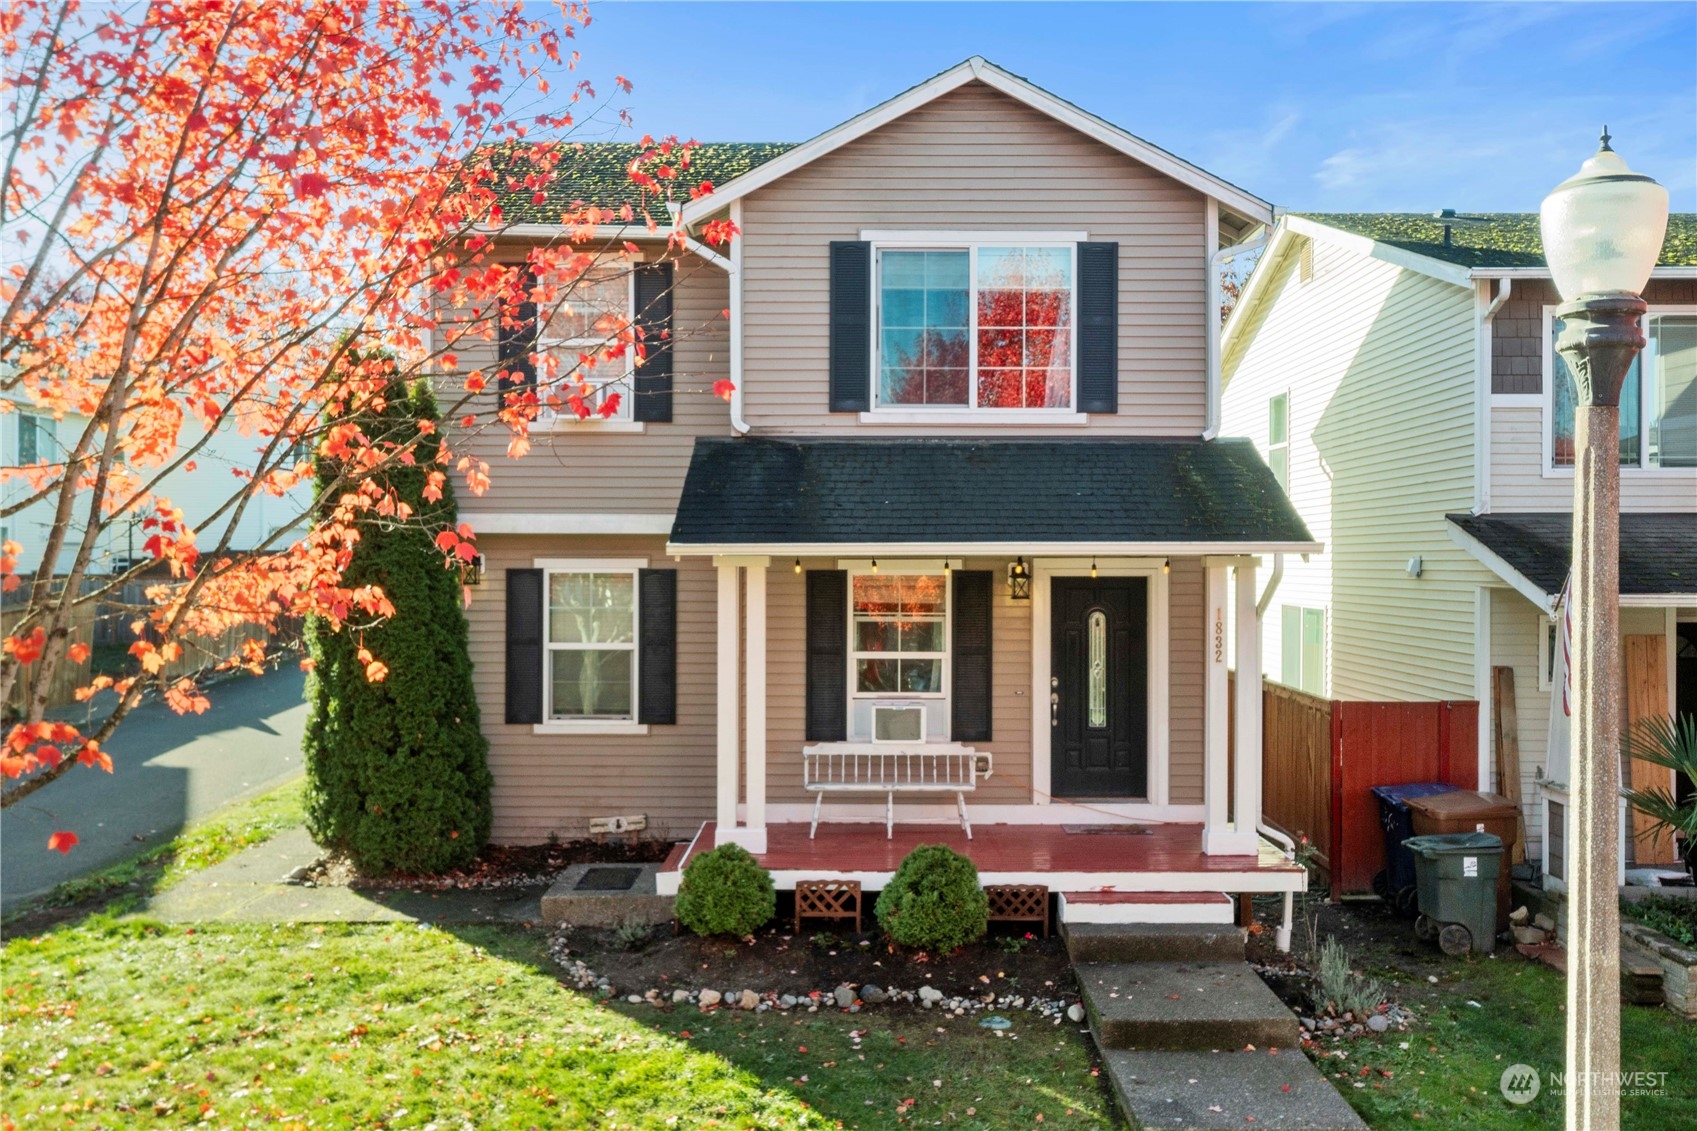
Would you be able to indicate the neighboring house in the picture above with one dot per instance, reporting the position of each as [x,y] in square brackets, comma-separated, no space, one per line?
[965,503]
[28,437]
[1397,372]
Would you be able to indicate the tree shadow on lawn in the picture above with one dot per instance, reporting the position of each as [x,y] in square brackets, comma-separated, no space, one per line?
[887,1063]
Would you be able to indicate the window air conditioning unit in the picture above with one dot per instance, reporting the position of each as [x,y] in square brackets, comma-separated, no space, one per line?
[898,722]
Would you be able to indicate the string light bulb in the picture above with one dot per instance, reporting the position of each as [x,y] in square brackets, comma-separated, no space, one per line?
[798,565]
[874,565]
[1166,565]
[947,567]
[1092,565]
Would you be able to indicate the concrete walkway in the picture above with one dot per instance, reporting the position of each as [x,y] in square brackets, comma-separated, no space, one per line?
[168,769]
[247,888]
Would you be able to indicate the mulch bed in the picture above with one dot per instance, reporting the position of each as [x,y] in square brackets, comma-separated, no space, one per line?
[500,866]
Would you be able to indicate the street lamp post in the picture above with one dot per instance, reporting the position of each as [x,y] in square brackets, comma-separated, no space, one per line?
[1603,230]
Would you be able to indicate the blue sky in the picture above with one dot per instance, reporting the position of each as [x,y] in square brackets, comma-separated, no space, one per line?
[1370,107]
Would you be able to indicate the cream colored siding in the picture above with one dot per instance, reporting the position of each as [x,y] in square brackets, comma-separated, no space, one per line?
[1187,629]
[579,468]
[975,160]
[1379,364]
[1520,482]
[1515,625]
[555,783]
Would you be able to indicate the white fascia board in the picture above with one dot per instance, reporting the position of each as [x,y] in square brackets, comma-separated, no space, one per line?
[1666,272]
[1657,600]
[1396,256]
[981,70]
[1517,581]
[897,550]
[517,522]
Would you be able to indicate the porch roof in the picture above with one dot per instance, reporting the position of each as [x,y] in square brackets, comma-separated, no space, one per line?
[1175,496]
[1531,551]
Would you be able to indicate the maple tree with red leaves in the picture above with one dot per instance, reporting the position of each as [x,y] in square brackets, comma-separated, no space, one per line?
[214,214]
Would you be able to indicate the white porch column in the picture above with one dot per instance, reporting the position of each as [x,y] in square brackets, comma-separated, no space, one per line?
[1247,718]
[725,810]
[754,837]
[1216,832]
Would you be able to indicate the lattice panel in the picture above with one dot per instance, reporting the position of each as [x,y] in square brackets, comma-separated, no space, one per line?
[1019,903]
[827,899]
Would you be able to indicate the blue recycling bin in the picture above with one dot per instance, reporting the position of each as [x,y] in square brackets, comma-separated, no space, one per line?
[1395,883]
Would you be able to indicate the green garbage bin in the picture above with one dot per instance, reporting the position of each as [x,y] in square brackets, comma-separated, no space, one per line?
[1455,875]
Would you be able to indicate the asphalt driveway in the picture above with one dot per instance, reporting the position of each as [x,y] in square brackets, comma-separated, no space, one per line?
[168,769]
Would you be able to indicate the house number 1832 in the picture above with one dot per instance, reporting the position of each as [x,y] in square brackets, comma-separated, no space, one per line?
[1219,637]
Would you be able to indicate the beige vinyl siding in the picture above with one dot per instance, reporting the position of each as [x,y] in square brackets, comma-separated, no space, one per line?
[1515,626]
[577,467]
[550,783]
[975,160]
[1379,362]
[1187,630]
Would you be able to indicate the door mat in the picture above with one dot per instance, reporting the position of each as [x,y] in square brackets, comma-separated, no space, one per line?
[1106,830]
[608,879]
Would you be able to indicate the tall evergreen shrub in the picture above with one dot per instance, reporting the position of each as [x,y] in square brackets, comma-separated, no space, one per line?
[397,770]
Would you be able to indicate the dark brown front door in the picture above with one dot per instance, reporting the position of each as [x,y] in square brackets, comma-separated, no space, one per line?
[1098,684]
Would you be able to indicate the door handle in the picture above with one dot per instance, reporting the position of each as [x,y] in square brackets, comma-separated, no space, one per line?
[1054,708]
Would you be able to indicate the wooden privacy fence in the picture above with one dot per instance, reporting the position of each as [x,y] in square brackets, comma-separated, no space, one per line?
[1321,758]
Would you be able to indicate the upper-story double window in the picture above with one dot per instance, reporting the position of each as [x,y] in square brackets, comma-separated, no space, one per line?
[1658,399]
[578,335]
[981,326]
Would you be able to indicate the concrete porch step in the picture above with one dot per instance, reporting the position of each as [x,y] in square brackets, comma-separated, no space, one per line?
[1156,1090]
[1211,907]
[1183,1005]
[1153,942]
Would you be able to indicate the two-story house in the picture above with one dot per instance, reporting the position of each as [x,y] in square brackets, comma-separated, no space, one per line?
[955,562]
[1398,374]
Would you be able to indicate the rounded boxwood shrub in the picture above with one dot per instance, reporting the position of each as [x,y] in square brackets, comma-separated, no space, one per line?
[725,892]
[933,901]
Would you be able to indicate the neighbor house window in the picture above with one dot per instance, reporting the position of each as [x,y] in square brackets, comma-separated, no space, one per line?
[1658,398]
[1303,649]
[980,327]
[1278,438]
[591,645]
[900,634]
[591,314]
[38,438]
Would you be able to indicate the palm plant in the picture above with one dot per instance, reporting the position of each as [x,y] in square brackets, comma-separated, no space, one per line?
[1669,742]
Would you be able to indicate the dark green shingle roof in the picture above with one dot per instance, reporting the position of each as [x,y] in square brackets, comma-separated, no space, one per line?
[1509,239]
[598,174]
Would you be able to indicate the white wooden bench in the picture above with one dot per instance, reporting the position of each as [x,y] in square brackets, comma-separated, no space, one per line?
[854,767]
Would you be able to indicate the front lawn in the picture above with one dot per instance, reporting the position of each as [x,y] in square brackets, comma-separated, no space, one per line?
[404,1026]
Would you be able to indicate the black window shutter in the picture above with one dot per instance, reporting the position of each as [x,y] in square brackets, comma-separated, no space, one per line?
[657,698]
[524,645]
[851,326]
[1098,327]
[516,342]
[827,655]
[970,700]
[654,317]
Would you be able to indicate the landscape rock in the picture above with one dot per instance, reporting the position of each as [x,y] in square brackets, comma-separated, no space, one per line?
[1075,1012]
[679,996]
[1519,916]
[749,999]
[872,995]
[1378,1022]
[1543,922]
[711,997]
[929,995]
[1529,936]
[844,995]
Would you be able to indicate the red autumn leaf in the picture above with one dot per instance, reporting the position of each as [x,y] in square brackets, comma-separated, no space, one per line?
[62,841]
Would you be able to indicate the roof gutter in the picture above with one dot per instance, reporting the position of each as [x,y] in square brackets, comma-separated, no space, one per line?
[1216,261]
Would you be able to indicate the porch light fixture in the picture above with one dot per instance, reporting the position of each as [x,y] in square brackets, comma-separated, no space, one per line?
[1019,579]
[1166,565]
[874,565]
[798,565]
[1603,229]
[471,572]
[947,568]
[1092,565]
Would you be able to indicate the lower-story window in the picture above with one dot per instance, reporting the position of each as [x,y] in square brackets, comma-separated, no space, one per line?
[591,644]
[898,642]
[1302,641]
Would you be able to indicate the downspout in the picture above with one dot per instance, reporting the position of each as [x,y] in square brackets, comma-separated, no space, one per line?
[1482,390]
[1216,261]
[733,270]
[1261,826]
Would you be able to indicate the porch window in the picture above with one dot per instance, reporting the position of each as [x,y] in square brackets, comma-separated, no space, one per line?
[1303,649]
[591,643]
[979,327]
[1658,398]
[586,323]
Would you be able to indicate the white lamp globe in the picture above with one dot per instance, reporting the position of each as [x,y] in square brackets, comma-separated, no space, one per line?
[1603,227]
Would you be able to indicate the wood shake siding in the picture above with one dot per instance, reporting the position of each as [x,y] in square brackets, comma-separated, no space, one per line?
[975,160]
[1520,481]
[578,467]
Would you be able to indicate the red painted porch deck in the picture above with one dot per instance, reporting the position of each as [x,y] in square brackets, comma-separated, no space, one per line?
[1152,857]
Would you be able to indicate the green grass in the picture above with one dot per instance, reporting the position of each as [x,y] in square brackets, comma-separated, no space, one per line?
[1450,1071]
[110,1022]
[222,834]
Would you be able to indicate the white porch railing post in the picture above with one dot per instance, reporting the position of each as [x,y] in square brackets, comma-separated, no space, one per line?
[754,838]
[1216,834]
[725,811]
[1247,718]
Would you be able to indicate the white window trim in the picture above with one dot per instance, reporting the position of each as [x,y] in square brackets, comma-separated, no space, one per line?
[1547,401]
[1302,612]
[623,421]
[899,569]
[970,242]
[1545,624]
[606,726]
[1285,443]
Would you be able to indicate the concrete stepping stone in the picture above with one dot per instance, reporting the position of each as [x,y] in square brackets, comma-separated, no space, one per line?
[1183,1005]
[1153,942]
[1217,1090]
